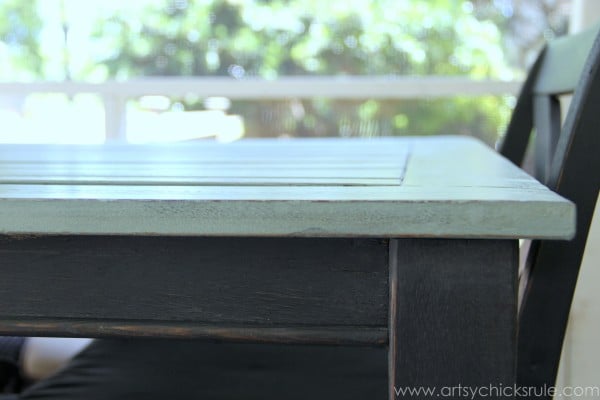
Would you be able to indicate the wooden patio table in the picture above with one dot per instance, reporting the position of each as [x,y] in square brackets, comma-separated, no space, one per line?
[410,243]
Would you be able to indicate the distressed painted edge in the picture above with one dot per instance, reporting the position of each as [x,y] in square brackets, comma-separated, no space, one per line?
[385,219]
[350,335]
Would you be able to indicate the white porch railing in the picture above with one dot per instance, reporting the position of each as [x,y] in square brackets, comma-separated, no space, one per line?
[115,94]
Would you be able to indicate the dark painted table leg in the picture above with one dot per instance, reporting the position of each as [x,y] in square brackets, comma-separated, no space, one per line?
[452,318]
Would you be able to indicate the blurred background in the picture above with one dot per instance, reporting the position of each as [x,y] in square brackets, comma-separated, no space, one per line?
[190,69]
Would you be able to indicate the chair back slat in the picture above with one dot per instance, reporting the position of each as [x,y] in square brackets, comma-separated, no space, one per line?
[514,144]
[563,63]
[567,162]
[546,115]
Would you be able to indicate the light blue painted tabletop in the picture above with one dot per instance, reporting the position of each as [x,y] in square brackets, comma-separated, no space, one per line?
[390,187]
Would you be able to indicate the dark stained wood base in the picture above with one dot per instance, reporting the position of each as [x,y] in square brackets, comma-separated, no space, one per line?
[195,286]
[446,307]
[453,314]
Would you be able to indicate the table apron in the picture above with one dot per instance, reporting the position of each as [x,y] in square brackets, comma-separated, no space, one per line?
[287,290]
[258,289]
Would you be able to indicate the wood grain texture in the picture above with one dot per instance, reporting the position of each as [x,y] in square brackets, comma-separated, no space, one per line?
[452,313]
[451,187]
[338,336]
[210,281]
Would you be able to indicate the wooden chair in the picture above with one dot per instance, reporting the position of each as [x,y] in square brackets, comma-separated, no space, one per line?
[567,160]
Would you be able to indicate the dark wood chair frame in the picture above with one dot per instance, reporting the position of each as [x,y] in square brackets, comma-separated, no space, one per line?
[567,160]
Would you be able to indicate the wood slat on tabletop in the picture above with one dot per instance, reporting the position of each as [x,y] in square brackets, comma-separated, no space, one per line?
[442,186]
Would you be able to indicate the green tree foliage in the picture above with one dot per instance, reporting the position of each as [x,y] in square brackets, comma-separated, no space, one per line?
[19,46]
[272,38]
[306,37]
[267,39]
